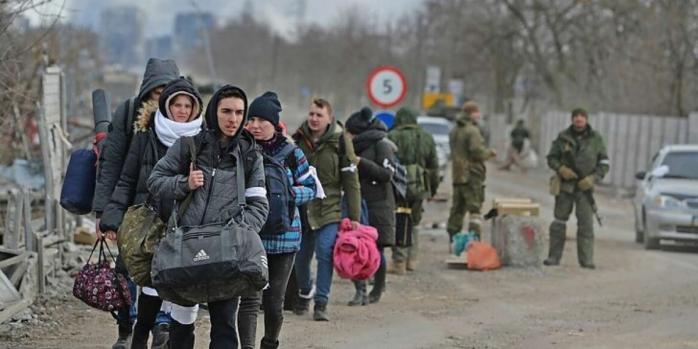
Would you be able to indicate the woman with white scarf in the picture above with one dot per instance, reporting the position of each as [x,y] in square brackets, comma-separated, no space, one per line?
[157,127]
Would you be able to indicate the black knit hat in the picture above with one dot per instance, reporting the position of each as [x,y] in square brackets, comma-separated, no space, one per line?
[266,106]
[359,121]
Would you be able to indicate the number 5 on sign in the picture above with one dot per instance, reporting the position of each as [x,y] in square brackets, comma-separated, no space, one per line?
[386,86]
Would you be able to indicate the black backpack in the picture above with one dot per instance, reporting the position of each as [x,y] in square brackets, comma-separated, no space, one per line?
[281,203]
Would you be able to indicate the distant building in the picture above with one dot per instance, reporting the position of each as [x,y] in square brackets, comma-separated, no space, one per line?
[190,28]
[160,47]
[121,34]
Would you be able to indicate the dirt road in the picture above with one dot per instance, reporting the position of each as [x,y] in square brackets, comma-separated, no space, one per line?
[635,298]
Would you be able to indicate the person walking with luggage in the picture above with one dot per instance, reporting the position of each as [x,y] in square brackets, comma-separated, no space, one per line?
[376,162]
[416,151]
[469,154]
[578,157]
[281,235]
[331,152]
[212,180]
[157,126]
[111,160]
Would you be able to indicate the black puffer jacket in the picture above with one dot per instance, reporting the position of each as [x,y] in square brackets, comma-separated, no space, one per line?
[375,149]
[145,150]
[115,147]
[216,201]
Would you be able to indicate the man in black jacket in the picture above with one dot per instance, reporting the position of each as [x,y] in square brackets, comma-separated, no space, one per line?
[157,74]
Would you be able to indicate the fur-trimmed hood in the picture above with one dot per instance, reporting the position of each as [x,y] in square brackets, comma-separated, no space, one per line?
[144,117]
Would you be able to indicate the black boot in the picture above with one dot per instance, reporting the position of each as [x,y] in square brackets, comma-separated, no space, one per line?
[378,285]
[267,344]
[302,306]
[320,313]
[360,298]
[124,340]
[181,336]
[551,261]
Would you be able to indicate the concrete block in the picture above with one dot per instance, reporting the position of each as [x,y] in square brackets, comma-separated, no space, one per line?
[518,240]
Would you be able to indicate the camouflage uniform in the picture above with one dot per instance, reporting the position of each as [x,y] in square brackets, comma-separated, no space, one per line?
[469,154]
[415,146]
[584,153]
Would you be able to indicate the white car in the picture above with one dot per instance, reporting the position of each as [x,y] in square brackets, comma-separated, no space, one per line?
[666,199]
[439,128]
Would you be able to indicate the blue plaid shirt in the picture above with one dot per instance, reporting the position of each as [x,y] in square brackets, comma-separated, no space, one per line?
[303,191]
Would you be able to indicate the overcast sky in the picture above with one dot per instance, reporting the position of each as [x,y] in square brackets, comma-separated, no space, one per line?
[160,13]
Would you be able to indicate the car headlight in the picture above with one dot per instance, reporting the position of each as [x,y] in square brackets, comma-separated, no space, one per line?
[665,201]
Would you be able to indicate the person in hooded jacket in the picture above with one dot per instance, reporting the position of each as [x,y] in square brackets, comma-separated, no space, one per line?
[416,150]
[281,246]
[157,74]
[214,198]
[376,157]
[157,127]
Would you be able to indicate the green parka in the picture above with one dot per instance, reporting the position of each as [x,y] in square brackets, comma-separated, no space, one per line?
[583,152]
[415,146]
[468,151]
[331,155]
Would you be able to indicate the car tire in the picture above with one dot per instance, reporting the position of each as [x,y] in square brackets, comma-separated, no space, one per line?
[639,229]
[650,243]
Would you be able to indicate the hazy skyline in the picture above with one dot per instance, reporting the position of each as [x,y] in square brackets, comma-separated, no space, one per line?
[280,13]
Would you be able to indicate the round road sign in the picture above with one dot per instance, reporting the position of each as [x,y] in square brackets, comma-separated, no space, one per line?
[386,86]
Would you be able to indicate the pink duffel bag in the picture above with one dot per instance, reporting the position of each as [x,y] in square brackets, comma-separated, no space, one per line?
[356,255]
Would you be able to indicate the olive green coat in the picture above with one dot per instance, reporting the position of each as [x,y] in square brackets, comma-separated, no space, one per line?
[584,153]
[416,146]
[468,151]
[333,157]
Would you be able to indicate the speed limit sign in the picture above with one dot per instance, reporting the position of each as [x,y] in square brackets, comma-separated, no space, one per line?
[386,86]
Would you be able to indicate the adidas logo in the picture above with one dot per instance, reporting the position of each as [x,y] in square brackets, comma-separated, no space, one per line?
[264,261]
[201,256]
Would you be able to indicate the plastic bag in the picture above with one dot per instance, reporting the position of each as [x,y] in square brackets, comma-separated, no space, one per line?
[482,256]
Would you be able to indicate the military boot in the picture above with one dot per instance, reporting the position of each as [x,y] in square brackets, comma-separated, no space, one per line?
[557,243]
[360,297]
[585,249]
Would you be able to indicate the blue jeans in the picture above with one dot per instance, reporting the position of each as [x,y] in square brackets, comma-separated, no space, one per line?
[320,242]
[126,317]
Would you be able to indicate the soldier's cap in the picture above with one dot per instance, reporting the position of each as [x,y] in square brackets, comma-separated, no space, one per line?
[579,111]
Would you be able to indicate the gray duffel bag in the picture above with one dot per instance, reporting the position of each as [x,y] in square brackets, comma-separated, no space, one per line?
[211,262]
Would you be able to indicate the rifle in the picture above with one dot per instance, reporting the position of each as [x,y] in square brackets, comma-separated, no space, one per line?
[594,208]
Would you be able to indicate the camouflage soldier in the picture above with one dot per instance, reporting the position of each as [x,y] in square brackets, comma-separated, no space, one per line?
[417,152]
[578,156]
[469,154]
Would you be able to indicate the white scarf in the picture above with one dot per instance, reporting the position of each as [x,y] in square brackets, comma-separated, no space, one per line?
[169,131]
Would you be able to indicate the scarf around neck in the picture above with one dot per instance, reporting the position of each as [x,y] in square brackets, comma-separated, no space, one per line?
[169,131]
